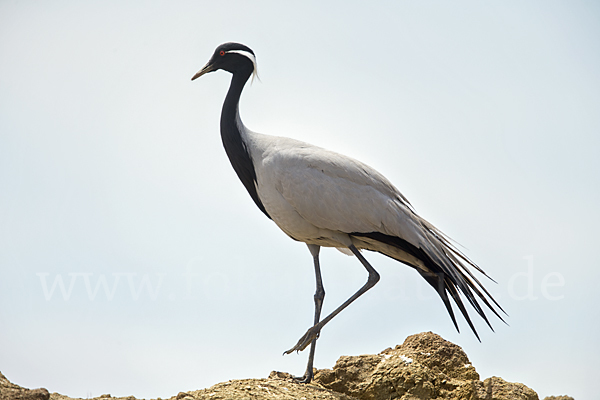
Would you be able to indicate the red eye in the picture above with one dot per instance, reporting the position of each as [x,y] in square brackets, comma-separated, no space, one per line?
[222,53]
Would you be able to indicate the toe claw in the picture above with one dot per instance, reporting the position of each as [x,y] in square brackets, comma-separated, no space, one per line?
[309,336]
[302,379]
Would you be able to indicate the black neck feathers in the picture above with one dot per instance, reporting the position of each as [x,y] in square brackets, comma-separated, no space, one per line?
[235,147]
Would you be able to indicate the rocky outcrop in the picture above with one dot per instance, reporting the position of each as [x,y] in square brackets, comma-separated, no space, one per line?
[424,367]
[277,386]
[558,398]
[10,391]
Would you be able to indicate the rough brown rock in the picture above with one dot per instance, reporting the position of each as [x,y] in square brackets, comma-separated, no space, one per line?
[277,386]
[58,396]
[558,398]
[495,388]
[424,367]
[10,391]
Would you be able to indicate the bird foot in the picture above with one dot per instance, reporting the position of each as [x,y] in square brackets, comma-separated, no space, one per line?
[307,378]
[309,336]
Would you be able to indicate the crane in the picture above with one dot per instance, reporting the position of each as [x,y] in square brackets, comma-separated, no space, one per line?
[326,199]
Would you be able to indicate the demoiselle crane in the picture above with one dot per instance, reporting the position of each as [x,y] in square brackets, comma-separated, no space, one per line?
[323,198]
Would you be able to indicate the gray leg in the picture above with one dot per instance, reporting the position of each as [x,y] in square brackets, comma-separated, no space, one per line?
[313,333]
[319,296]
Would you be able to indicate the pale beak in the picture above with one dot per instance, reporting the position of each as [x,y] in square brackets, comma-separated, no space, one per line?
[205,70]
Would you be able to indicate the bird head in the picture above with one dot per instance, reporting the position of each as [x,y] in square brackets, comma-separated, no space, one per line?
[231,57]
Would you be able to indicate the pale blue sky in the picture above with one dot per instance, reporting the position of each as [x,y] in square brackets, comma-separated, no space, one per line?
[485,115]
